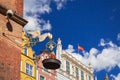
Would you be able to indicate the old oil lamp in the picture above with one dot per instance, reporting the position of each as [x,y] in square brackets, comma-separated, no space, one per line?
[50,62]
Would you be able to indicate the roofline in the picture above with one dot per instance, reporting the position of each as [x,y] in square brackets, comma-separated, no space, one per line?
[82,66]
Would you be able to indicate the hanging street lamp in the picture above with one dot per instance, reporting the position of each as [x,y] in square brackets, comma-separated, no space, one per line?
[51,62]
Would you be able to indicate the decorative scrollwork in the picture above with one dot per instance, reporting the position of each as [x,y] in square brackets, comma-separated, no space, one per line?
[32,38]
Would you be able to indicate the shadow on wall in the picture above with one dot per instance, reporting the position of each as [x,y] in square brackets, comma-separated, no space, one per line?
[9,26]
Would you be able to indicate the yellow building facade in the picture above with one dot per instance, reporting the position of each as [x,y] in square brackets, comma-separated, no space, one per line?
[28,67]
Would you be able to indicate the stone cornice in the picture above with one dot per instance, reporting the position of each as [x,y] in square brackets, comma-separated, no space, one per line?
[15,17]
[76,62]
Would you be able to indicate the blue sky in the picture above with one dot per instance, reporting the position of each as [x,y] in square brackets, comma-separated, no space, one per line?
[93,24]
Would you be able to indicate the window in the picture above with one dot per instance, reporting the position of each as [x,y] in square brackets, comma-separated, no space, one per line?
[25,51]
[73,70]
[41,78]
[67,67]
[82,75]
[29,69]
[89,78]
[77,74]
[45,69]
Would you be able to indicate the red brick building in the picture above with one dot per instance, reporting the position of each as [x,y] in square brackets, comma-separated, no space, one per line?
[11,39]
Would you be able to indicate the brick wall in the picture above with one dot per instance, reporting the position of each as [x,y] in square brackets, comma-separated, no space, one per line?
[9,61]
[11,30]
[10,40]
[10,49]
[15,5]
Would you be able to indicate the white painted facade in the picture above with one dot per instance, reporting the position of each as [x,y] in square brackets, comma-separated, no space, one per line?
[74,66]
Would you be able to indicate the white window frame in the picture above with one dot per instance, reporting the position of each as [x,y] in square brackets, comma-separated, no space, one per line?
[29,69]
[21,65]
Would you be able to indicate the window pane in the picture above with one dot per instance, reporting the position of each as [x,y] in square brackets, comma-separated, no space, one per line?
[77,74]
[30,72]
[67,67]
[27,65]
[82,75]
[89,78]
[25,51]
[29,69]
[73,69]
[45,69]
[41,78]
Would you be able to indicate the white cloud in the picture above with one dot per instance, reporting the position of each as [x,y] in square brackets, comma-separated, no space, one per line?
[70,48]
[33,23]
[115,77]
[95,77]
[37,24]
[106,43]
[33,9]
[36,6]
[47,26]
[102,42]
[107,59]
[118,36]
[60,3]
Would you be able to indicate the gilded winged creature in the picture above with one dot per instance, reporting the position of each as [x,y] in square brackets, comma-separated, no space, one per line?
[30,38]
